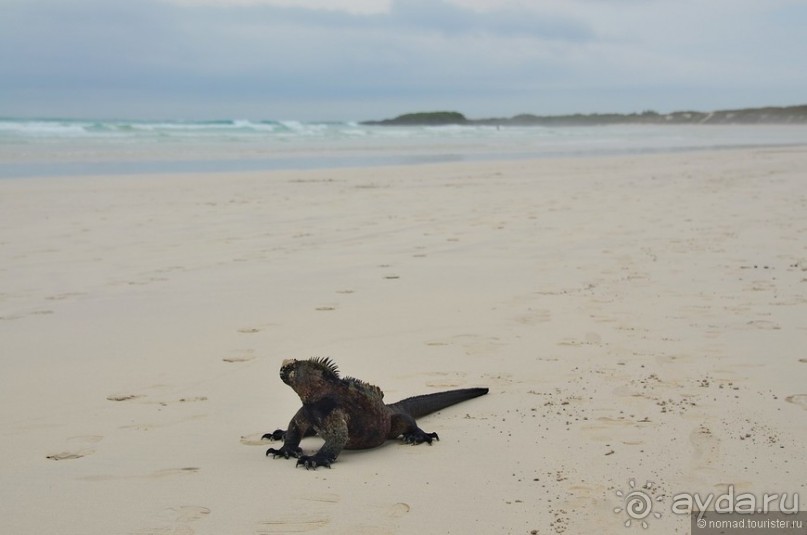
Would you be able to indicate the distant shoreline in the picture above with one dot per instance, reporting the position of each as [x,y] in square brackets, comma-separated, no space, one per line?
[747,116]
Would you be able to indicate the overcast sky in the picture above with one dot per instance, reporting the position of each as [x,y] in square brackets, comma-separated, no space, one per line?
[363,59]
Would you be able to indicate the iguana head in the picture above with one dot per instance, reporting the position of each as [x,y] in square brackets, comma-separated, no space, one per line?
[309,378]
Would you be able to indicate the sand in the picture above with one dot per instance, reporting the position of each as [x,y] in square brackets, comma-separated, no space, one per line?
[636,318]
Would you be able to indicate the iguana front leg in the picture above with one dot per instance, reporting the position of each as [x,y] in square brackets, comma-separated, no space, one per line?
[334,431]
[299,426]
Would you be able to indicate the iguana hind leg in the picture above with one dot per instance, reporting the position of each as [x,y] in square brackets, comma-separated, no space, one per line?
[403,425]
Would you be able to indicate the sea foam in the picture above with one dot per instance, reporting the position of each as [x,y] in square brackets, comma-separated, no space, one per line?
[54,146]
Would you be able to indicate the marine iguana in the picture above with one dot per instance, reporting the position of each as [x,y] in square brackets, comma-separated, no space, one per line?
[351,414]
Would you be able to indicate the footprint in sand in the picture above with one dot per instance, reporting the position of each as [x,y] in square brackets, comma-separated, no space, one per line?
[443,379]
[180,529]
[798,399]
[131,397]
[158,474]
[706,447]
[291,525]
[70,455]
[253,440]
[166,472]
[301,523]
[499,378]
[85,439]
[398,510]
[327,497]
[176,520]
[238,358]
[63,296]
[185,513]
[534,316]
[81,440]
[123,397]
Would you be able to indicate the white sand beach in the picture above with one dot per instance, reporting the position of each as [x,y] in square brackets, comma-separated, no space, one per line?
[635,318]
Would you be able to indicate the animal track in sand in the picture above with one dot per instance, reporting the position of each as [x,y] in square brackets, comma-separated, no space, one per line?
[798,399]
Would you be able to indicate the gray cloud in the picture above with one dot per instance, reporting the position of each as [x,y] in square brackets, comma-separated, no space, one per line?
[155,58]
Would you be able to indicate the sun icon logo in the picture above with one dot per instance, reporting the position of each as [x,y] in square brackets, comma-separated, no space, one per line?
[638,503]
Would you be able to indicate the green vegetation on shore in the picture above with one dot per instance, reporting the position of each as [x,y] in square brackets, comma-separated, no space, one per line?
[768,115]
[431,118]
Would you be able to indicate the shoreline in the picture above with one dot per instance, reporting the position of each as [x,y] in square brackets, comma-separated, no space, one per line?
[635,317]
[124,161]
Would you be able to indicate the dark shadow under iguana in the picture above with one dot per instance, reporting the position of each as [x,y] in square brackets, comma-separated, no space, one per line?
[351,414]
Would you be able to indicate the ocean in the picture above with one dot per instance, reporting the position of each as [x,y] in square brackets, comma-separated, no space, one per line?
[60,147]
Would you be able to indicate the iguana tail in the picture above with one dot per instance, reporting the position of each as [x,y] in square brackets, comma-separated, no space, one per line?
[419,406]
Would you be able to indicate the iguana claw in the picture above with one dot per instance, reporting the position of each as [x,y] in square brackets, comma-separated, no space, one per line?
[419,437]
[313,461]
[284,452]
[277,434]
